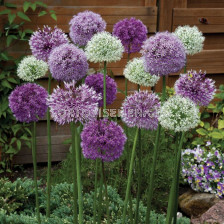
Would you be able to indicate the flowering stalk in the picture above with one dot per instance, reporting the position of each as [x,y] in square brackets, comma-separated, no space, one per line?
[155,152]
[74,174]
[35,171]
[49,151]
[130,176]
[175,183]
[95,193]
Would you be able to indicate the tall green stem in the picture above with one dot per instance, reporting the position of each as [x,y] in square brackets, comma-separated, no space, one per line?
[155,152]
[175,183]
[95,193]
[104,87]
[126,81]
[49,152]
[34,155]
[75,213]
[130,176]
[100,196]
[185,68]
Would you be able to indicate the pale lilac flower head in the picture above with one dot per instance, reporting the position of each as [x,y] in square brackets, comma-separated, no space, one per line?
[132,33]
[84,25]
[73,104]
[67,62]
[42,42]
[28,102]
[196,87]
[103,139]
[163,54]
[141,110]
[96,81]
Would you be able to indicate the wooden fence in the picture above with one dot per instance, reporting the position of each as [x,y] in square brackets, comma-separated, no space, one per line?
[156,15]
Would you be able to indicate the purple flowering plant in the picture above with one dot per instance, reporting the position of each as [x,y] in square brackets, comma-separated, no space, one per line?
[132,33]
[203,169]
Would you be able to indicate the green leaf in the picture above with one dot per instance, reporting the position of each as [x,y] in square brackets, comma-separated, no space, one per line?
[52,11]
[24,137]
[67,141]
[28,31]
[4,56]
[220,124]
[18,143]
[41,4]
[23,16]
[12,140]
[211,106]
[11,17]
[206,125]
[4,12]
[12,80]
[121,91]
[11,150]
[9,39]
[6,84]
[10,5]
[33,6]
[216,135]
[53,16]
[201,131]
[42,13]
[26,6]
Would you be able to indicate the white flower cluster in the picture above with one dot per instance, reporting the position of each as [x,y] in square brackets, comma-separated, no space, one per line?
[191,37]
[104,47]
[135,72]
[179,114]
[30,69]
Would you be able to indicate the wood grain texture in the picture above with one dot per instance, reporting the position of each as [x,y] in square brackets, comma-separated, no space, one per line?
[205,4]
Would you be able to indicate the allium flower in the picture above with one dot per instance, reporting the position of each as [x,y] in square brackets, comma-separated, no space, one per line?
[179,114]
[196,87]
[191,37]
[30,69]
[28,102]
[104,47]
[42,42]
[67,62]
[96,81]
[73,104]
[84,25]
[141,110]
[132,33]
[103,139]
[135,72]
[163,54]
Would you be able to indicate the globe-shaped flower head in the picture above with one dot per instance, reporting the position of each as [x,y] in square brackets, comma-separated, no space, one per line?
[163,54]
[132,33]
[84,25]
[73,104]
[96,81]
[43,41]
[67,62]
[28,102]
[191,37]
[104,47]
[141,110]
[135,72]
[103,139]
[30,69]
[179,114]
[196,87]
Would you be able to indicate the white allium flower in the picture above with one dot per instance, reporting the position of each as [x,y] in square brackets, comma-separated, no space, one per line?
[191,37]
[104,47]
[135,72]
[179,114]
[31,68]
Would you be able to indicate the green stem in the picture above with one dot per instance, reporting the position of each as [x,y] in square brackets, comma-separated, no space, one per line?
[100,197]
[78,169]
[104,87]
[185,68]
[130,177]
[72,126]
[49,152]
[95,192]
[164,89]
[139,176]
[175,184]
[34,155]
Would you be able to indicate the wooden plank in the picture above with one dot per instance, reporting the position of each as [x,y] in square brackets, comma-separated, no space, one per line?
[205,3]
[214,41]
[150,3]
[180,4]
[198,12]
[87,2]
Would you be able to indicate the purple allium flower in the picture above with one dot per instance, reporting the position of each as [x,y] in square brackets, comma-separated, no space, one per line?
[67,62]
[42,42]
[103,139]
[132,33]
[28,102]
[141,109]
[96,81]
[84,25]
[163,54]
[196,87]
[73,104]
